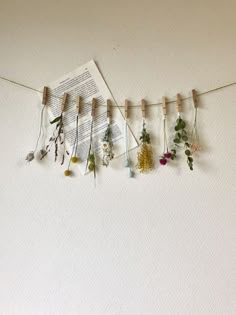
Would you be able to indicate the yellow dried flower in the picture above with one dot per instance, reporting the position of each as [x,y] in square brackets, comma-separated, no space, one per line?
[67,173]
[145,158]
[74,159]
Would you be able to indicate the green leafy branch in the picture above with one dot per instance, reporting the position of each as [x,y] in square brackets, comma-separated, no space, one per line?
[181,137]
[57,138]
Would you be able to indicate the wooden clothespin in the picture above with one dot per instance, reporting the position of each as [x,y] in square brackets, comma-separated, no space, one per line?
[194,96]
[109,109]
[63,104]
[93,107]
[45,94]
[164,105]
[126,109]
[179,101]
[143,108]
[78,104]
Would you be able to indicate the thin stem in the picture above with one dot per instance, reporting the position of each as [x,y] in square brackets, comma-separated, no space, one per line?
[40,128]
[194,132]
[126,141]
[77,136]
[90,142]
[165,136]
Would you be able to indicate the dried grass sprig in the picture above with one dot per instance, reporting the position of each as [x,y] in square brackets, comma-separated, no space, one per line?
[57,140]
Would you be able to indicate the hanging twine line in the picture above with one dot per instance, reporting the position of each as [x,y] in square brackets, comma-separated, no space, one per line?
[121,106]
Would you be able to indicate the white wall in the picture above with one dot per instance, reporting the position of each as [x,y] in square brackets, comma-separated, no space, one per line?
[158,244]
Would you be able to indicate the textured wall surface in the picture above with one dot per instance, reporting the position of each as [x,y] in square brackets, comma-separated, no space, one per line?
[158,244]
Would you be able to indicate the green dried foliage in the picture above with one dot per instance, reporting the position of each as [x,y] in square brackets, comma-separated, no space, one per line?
[181,137]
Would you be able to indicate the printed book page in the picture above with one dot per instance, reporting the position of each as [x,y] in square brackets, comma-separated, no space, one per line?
[87,82]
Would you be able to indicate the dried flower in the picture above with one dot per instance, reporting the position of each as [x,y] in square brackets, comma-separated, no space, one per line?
[145,158]
[91,164]
[74,159]
[165,157]
[30,156]
[163,161]
[67,172]
[107,147]
[195,147]
[126,163]
[41,153]
[166,154]
[145,154]
[131,173]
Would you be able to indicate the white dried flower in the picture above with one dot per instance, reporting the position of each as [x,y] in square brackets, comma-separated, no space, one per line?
[30,156]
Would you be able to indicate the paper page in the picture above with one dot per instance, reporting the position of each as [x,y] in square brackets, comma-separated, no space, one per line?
[87,82]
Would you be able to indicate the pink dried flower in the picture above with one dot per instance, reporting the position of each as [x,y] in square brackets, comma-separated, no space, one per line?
[195,147]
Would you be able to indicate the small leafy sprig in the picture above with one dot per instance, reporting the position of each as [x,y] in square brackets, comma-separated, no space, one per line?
[145,154]
[181,137]
[107,146]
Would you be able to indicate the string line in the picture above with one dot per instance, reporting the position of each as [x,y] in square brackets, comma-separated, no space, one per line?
[121,106]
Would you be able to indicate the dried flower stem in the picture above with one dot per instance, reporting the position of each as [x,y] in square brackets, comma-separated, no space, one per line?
[73,156]
[91,163]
